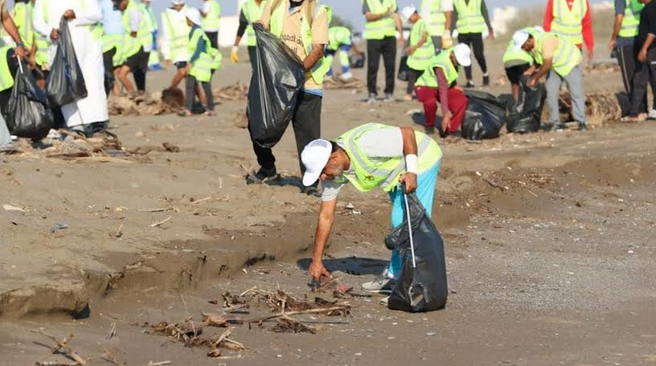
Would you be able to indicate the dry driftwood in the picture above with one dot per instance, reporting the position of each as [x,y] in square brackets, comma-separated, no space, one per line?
[61,346]
[289,325]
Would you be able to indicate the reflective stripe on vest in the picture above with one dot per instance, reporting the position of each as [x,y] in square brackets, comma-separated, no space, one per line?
[420,59]
[6,79]
[277,21]
[470,17]
[253,13]
[442,61]
[566,57]
[569,22]
[212,20]
[178,35]
[386,174]
[431,11]
[144,37]
[338,36]
[631,19]
[23,21]
[381,28]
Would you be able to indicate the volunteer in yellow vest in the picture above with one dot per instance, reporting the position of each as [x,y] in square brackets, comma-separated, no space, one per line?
[622,43]
[571,19]
[438,14]
[421,49]
[87,115]
[340,41]
[138,42]
[559,60]
[371,156]
[382,25]
[175,39]
[199,68]
[251,11]
[303,26]
[153,58]
[112,40]
[518,63]
[438,84]
[211,13]
[472,20]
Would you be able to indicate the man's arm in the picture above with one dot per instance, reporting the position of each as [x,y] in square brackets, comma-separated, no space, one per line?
[315,55]
[324,226]
[88,15]
[320,39]
[651,36]
[620,8]
[11,29]
[449,21]
[542,71]
[411,159]
[588,34]
[135,19]
[486,17]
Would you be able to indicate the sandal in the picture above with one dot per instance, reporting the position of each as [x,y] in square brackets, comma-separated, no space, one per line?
[209,113]
[184,113]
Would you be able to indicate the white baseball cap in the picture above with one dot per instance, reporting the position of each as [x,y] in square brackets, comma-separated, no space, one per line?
[315,157]
[194,15]
[407,12]
[177,2]
[463,54]
[519,38]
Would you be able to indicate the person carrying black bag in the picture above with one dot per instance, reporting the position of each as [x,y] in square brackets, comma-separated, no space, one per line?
[285,19]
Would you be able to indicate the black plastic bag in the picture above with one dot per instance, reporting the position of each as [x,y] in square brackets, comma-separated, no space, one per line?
[485,116]
[65,82]
[403,69]
[422,286]
[357,61]
[278,76]
[28,113]
[526,114]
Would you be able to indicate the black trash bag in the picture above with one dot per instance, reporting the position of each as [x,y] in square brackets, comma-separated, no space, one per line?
[485,116]
[424,287]
[28,113]
[403,69]
[357,61]
[526,114]
[278,76]
[65,83]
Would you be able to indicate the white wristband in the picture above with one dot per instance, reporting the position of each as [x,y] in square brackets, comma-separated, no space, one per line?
[411,163]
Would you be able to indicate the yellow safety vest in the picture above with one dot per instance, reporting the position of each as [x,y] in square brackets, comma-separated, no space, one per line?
[212,20]
[201,68]
[566,57]
[6,78]
[568,22]
[277,20]
[150,16]
[252,13]
[23,21]
[431,10]
[441,61]
[631,19]
[338,36]
[516,55]
[144,37]
[470,17]
[385,174]
[385,27]
[178,36]
[420,59]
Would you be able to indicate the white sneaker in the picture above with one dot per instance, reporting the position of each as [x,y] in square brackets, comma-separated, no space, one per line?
[652,114]
[346,76]
[382,284]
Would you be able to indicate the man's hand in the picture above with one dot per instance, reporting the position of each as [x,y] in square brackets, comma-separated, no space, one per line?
[234,55]
[69,14]
[642,55]
[409,51]
[446,121]
[612,44]
[401,39]
[133,34]
[54,35]
[532,83]
[20,52]
[317,270]
[410,182]
[491,35]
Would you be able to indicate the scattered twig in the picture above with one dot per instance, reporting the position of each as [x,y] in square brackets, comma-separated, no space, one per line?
[156,224]
[162,363]
[492,184]
[310,311]
[201,200]
[111,332]
[56,363]
[62,347]
[83,138]
[163,209]
[247,291]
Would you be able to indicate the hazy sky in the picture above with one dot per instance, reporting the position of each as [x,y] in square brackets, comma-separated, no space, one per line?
[351,9]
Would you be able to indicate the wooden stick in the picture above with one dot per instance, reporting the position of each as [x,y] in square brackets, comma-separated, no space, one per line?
[311,311]
[162,363]
[247,291]
[156,224]
[201,200]
[61,346]
[156,209]
[222,338]
[56,363]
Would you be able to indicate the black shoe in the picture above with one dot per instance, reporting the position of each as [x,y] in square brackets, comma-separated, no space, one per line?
[263,177]
[582,127]
[558,126]
[470,84]
[486,80]
[311,191]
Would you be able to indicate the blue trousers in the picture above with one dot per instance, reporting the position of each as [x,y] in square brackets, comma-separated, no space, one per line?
[425,192]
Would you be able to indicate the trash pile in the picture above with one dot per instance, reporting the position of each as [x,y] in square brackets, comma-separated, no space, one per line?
[338,83]
[600,107]
[169,101]
[233,92]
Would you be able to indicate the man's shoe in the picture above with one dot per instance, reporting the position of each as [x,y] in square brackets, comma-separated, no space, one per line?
[558,126]
[263,177]
[311,191]
[486,80]
[381,284]
[652,114]
[385,301]
[346,76]
[371,99]
[582,127]
[389,98]
[470,84]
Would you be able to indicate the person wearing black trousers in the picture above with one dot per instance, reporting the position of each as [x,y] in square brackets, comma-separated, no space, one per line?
[472,18]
